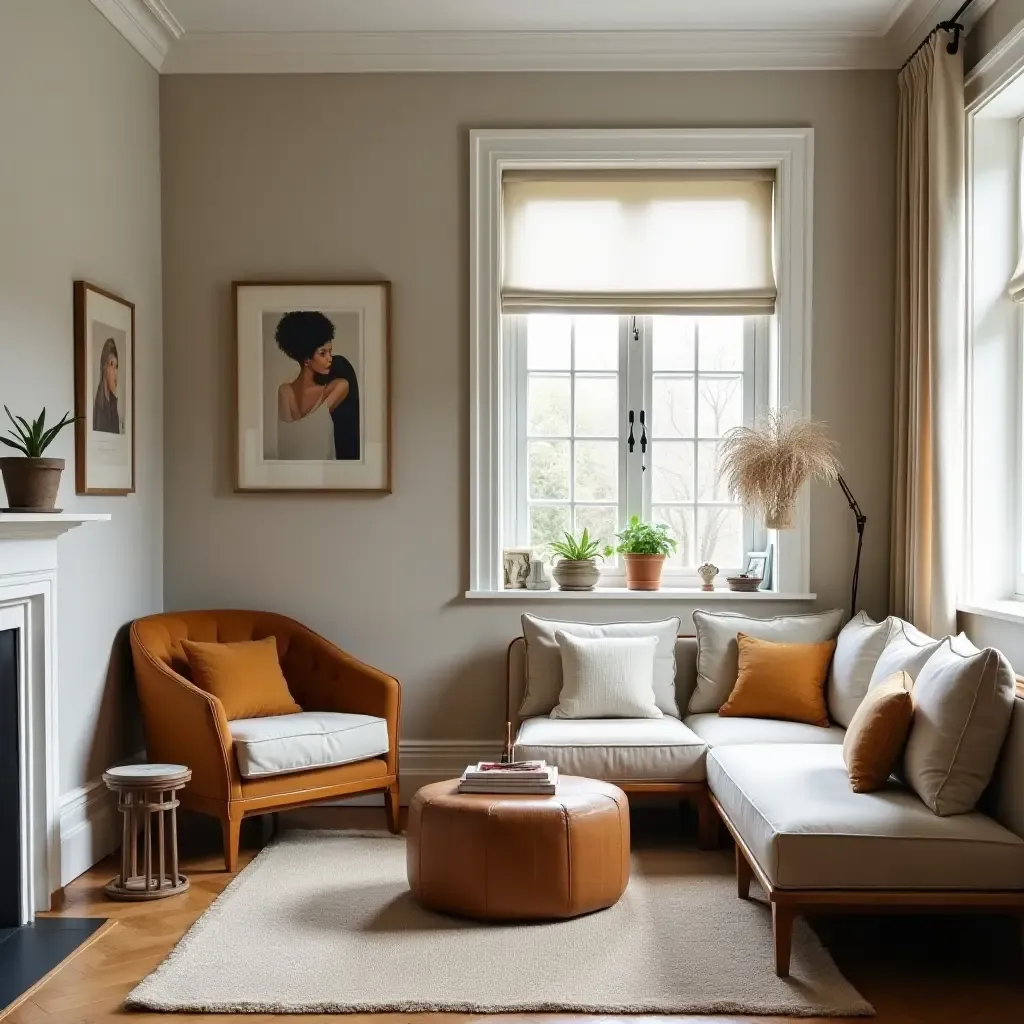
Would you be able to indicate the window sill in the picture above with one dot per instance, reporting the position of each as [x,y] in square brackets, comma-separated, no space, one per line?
[1006,611]
[694,594]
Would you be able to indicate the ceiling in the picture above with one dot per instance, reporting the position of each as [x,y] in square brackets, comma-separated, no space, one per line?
[211,36]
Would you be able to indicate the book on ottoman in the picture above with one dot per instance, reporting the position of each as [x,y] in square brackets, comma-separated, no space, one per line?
[518,777]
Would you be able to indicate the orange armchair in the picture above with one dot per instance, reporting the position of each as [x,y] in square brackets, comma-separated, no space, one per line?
[186,725]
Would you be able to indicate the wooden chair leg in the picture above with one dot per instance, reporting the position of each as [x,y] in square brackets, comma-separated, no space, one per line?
[231,829]
[392,809]
[707,823]
[783,918]
[744,875]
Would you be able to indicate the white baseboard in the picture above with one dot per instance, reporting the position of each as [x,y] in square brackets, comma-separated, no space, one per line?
[90,825]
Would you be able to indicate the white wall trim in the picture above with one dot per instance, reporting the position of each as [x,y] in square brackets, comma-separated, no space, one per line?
[319,52]
[787,151]
[89,828]
[1000,66]
[148,25]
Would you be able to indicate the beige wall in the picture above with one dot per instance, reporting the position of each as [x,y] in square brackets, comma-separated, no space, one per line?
[80,197]
[996,22]
[351,176]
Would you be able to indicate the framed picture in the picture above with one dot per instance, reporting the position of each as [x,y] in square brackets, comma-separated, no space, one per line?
[104,391]
[759,563]
[312,380]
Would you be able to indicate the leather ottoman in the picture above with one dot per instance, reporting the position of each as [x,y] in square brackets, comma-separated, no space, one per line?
[519,857]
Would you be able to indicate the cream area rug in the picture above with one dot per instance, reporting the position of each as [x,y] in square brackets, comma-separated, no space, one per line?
[322,922]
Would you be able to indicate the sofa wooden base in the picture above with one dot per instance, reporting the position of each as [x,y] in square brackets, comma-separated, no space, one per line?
[787,904]
[695,793]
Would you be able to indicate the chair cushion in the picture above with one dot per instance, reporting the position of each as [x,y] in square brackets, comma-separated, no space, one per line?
[716,731]
[807,829]
[310,739]
[784,681]
[245,677]
[615,749]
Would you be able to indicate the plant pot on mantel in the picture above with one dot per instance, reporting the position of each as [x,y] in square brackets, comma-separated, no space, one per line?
[31,484]
[643,572]
[576,574]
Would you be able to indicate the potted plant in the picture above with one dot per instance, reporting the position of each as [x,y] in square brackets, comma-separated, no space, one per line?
[576,568]
[30,480]
[644,547]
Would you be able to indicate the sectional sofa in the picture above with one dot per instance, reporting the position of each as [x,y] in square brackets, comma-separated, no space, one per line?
[783,792]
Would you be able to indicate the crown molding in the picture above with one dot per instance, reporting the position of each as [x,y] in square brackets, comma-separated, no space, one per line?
[353,52]
[148,25]
[911,21]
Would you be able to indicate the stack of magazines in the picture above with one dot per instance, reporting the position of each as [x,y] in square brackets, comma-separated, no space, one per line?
[535,777]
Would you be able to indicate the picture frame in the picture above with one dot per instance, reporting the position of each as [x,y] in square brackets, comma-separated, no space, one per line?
[104,330]
[312,386]
[759,563]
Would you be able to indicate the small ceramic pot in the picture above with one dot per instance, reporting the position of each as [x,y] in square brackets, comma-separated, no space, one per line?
[643,572]
[570,574]
[538,579]
[31,484]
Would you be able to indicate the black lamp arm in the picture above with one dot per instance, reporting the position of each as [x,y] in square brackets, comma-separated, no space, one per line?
[861,520]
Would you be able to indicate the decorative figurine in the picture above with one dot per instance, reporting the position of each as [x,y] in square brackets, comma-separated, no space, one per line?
[708,572]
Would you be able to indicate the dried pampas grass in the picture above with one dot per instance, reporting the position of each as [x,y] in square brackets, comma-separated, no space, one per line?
[766,465]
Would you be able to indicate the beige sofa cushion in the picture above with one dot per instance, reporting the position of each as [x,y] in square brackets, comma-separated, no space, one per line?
[615,749]
[908,650]
[612,677]
[717,731]
[717,652]
[807,829]
[544,661]
[858,647]
[962,709]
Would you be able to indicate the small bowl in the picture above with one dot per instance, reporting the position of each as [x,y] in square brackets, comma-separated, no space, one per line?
[744,584]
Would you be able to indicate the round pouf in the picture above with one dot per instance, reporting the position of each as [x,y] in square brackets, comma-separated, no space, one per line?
[516,857]
[147,797]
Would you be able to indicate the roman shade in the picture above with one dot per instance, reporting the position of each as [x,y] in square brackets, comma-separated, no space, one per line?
[645,243]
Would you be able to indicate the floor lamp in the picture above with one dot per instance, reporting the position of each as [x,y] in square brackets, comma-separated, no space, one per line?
[862,521]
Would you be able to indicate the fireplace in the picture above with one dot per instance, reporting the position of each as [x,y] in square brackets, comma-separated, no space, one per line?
[10,783]
[30,869]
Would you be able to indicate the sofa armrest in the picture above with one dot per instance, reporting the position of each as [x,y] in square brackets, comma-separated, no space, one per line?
[322,677]
[185,725]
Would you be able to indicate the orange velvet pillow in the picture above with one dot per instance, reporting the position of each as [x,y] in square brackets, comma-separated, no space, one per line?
[246,677]
[784,681]
[878,733]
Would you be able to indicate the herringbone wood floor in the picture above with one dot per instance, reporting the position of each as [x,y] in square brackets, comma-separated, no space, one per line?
[934,970]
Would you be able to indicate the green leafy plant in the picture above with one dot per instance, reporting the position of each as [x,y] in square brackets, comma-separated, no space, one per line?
[32,439]
[578,550]
[645,539]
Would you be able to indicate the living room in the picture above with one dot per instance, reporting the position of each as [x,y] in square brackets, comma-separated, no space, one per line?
[213,183]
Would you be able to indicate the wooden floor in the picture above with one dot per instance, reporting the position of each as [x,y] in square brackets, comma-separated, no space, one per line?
[946,970]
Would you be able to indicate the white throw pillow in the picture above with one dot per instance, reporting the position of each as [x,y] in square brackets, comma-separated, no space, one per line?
[544,662]
[908,650]
[610,677]
[718,655]
[858,647]
[962,709]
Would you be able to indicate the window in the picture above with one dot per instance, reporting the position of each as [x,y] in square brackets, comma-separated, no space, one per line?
[636,286]
[687,380]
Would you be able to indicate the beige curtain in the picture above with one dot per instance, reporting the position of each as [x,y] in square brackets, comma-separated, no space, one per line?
[930,287]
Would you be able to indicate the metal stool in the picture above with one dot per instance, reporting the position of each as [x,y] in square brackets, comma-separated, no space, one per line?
[145,791]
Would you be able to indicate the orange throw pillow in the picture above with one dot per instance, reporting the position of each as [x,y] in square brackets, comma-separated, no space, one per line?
[245,677]
[784,681]
[878,733]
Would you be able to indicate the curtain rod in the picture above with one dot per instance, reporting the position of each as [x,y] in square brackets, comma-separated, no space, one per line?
[952,25]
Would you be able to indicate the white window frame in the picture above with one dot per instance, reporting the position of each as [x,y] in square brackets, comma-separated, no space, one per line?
[786,151]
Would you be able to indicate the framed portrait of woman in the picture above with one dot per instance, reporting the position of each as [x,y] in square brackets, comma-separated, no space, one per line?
[104,391]
[312,382]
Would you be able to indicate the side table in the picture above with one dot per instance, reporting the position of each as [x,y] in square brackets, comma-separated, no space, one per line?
[145,792]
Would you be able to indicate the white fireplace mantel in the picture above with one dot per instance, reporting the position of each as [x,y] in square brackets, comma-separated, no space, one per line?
[28,599]
[44,525]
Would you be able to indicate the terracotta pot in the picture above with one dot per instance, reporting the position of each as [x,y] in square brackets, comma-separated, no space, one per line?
[31,484]
[643,572]
[576,575]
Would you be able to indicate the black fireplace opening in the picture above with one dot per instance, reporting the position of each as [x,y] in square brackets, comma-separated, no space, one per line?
[10,784]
